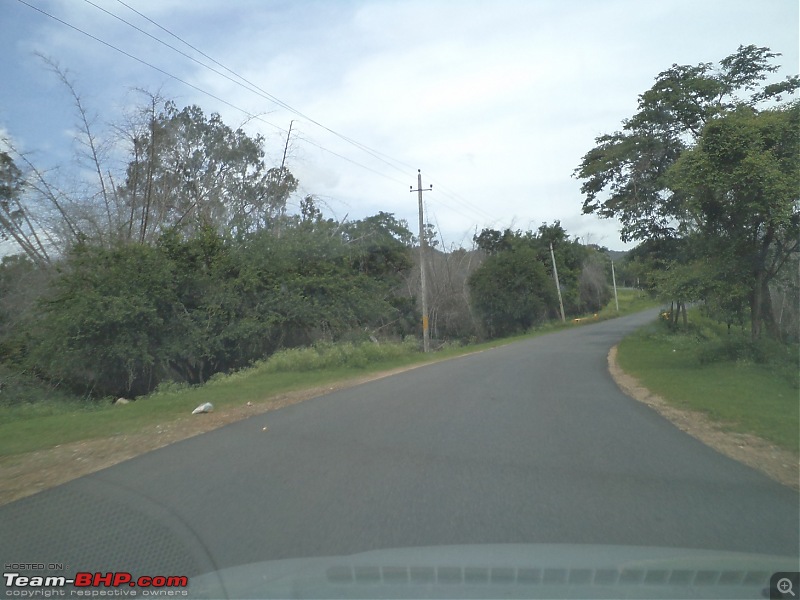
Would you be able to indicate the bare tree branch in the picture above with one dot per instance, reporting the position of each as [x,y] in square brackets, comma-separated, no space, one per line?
[90,140]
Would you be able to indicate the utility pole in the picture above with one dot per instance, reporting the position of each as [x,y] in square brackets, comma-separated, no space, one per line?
[426,336]
[558,286]
[614,280]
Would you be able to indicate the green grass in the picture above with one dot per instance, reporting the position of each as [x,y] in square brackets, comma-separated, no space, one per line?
[25,429]
[741,395]
[30,426]
[630,301]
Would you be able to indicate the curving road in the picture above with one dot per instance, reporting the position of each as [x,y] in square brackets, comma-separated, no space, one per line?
[530,443]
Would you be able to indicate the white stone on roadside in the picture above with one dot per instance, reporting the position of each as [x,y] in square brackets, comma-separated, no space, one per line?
[121,401]
[203,408]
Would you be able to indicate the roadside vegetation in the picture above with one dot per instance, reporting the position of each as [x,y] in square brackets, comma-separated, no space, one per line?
[744,386]
[47,421]
[704,176]
[189,256]
[190,269]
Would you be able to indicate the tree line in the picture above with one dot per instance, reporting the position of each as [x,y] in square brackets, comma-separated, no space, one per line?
[189,261]
[120,320]
[514,289]
[706,176]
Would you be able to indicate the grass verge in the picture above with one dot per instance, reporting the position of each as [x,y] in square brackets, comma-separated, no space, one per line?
[739,394]
[38,425]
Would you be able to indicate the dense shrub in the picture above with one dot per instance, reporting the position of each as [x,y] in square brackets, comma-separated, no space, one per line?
[511,292]
[331,356]
[514,287]
[122,320]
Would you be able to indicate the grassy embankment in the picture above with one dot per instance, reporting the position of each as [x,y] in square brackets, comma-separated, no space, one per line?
[59,419]
[744,387]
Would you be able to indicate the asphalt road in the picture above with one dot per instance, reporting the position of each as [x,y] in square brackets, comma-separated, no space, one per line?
[527,443]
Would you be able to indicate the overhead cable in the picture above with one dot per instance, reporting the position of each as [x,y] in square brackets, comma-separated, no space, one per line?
[199,89]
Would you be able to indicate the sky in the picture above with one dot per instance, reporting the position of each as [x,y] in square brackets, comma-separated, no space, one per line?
[496,102]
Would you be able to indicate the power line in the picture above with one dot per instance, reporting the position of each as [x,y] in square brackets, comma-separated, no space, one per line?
[455,208]
[255,89]
[386,159]
[389,177]
[460,207]
[202,91]
[144,62]
[458,198]
[171,47]
[454,205]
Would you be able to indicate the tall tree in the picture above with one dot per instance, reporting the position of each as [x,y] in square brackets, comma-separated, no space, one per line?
[511,291]
[514,287]
[187,170]
[741,183]
[99,208]
[634,175]
[624,176]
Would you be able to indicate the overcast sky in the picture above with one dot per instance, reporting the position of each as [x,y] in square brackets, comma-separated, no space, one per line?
[495,101]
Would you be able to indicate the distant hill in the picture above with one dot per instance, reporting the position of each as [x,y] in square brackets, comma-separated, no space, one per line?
[614,255]
[617,255]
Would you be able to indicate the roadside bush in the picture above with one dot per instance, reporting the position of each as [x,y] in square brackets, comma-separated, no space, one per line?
[715,345]
[104,327]
[122,320]
[330,356]
[18,388]
[511,292]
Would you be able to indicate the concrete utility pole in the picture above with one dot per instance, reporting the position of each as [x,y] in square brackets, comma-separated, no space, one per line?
[426,336]
[614,280]
[558,286]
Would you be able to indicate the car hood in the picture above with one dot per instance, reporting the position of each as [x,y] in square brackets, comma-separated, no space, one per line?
[503,571]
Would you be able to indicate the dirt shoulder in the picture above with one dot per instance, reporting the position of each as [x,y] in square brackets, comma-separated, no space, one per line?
[777,463]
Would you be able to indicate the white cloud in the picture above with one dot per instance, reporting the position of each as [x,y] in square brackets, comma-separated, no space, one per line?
[495,101]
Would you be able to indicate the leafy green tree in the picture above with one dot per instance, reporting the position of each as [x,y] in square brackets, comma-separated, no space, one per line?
[511,291]
[624,176]
[103,328]
[741,183]
[380,246]
[648,175]
[571,258]
[492,241]
[582,275]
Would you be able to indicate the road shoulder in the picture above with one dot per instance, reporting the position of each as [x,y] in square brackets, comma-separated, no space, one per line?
[27,474]
[777,463]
